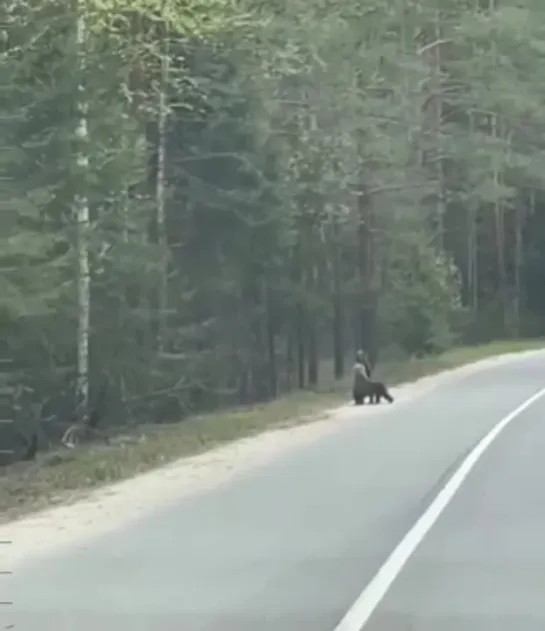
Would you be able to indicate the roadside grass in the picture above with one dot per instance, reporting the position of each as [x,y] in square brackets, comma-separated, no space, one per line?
[68,475]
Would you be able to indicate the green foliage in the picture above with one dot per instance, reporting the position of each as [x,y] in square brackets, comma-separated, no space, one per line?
[422,305]
[335,176]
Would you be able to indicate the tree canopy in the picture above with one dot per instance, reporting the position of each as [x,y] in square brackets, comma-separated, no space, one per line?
[204,201]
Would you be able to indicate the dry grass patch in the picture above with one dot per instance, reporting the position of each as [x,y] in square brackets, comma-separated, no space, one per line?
[68,475]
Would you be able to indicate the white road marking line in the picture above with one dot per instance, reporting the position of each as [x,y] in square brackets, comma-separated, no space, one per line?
[360,612]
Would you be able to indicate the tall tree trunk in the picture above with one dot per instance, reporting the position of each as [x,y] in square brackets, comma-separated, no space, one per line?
[300,344]
[300,312]
[472,245]
[162,120]
[438,110]
[338,323]
[7,395]
[366,301]
[312,337]
[290,357]
[259,345]
[473,259]
[499,222]
[81,211]
[272,369]
[517,297]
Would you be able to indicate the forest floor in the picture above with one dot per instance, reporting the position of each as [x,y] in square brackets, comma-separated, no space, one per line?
[69,475]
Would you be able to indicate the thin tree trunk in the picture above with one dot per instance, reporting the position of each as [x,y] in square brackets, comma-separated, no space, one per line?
[125,215]
[300,311]
[366,262]
[473,260]
[162,120]
[499,221]
[517,298]
[259,345]
[290,357]
[338,330]
[81,211]
[7,412]
[498,209]
[311,329]
[438,108]
[472,247]
[499,232]
[271,343]
[300,343]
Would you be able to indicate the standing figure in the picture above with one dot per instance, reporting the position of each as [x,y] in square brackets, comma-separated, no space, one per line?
[364,386]
[362,377]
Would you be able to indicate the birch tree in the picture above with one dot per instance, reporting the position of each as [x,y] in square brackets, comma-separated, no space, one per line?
[162,120]
[81,214]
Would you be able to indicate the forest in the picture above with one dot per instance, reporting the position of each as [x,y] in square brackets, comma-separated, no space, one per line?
[202,201]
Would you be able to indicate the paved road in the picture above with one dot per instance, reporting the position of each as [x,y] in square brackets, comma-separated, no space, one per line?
[290,547]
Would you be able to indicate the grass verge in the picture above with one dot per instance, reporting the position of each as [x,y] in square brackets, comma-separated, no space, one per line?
[69,475]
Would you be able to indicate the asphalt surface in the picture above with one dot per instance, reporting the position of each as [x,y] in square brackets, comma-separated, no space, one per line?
[290,546]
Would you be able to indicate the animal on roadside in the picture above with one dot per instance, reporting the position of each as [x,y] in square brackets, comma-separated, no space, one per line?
[377,391]
[362,377]
[364,387]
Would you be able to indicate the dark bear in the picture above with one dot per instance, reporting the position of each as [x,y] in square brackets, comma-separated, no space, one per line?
[374,391]
[377,391]
[364,387]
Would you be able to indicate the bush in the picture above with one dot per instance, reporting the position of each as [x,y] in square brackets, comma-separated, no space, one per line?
[421,309]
